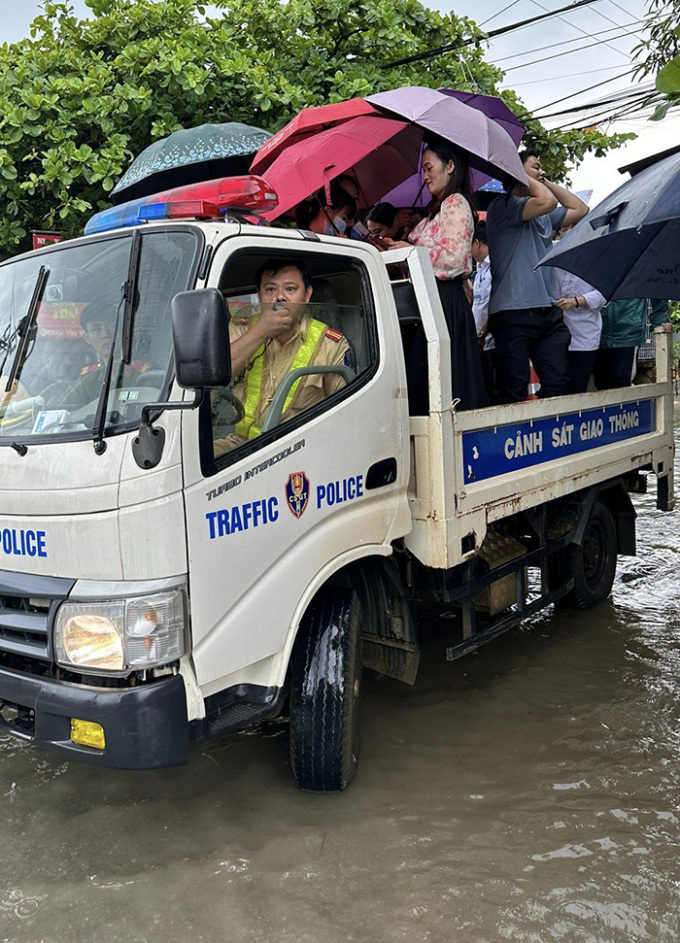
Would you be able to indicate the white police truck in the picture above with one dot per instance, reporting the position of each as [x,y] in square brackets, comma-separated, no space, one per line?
[163,579]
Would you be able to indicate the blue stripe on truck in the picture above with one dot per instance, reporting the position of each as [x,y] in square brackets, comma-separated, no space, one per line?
[488,453]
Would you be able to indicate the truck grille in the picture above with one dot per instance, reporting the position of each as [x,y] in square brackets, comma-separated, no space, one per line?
[27,607]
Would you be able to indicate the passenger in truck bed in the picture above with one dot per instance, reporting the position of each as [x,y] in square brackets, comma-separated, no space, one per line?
[447,233]
[283,337]
[328,217]
[523,318]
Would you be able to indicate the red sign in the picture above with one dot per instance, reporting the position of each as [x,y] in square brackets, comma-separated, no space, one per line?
[60,319]
[41,239]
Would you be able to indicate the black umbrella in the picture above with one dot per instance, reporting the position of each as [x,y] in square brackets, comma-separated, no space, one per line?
[190,156]
[629,245]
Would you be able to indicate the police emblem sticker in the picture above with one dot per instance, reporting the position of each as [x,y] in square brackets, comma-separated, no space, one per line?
[297,493]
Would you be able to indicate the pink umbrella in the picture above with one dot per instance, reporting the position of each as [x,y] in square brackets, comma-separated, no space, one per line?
[380,151]
[308,122]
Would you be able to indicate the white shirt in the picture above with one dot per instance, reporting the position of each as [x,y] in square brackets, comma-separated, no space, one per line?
[584,322]
[480,301]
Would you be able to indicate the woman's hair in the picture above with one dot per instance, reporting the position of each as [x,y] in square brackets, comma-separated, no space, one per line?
[382,213]
[459,181]
[308,209]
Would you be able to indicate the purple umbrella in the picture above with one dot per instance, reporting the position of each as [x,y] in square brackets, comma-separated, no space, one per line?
[493,107]
[412,192]
[488,146]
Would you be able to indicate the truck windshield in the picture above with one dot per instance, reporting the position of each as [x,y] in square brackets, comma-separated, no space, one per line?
[56,356]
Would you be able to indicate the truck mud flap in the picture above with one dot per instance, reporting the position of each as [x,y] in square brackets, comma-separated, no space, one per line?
[389,641]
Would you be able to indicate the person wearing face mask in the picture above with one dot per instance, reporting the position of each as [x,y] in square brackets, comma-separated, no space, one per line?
[447,232]
[328,218]
[282,337]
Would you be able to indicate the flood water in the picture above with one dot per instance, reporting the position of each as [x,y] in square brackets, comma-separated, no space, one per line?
[530,792]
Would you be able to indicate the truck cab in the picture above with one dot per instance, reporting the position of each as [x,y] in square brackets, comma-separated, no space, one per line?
[169,573]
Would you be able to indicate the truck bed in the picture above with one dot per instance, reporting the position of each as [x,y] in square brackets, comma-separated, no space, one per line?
[470,469]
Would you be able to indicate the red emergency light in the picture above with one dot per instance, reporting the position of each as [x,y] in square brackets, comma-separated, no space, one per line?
[210,199]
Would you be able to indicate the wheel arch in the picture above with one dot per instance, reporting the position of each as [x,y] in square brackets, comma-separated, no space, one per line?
[618,501]
[390,644]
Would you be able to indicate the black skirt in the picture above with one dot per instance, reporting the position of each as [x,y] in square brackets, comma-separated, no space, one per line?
[466,359]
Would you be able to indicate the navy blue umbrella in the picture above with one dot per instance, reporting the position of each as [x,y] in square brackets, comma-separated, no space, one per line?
[629,245]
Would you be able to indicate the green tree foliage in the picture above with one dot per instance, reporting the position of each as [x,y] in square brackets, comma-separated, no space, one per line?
[659,52]
[80,98]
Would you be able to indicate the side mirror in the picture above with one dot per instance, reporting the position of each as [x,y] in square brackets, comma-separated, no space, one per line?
[200,332]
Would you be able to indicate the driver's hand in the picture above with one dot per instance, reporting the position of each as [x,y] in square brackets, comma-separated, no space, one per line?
[276,320]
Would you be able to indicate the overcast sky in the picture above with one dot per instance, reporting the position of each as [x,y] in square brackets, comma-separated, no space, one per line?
[581,60]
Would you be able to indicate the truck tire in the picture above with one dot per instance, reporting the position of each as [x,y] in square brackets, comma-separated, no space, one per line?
[325,687]
[591,564]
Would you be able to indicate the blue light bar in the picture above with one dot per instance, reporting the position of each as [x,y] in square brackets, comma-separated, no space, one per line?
[151,212]
[116,218]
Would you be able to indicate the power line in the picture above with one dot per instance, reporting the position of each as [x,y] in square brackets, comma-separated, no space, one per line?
[618,6]
[568,52]
[574,94]
[608,115]
[569,75]
[623,96]
[565,42]
[623,9]
[574,26]
[603,106]
[608,18]
[599,104]
[430,53]
[513,4]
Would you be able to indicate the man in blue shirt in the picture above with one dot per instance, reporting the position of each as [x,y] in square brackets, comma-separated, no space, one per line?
[523,319]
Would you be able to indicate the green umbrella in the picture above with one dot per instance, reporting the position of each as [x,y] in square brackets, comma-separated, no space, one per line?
[189,156]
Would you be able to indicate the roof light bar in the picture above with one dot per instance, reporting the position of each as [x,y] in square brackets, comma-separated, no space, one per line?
[210,199]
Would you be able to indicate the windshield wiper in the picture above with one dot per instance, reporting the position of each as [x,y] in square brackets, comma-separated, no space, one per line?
[128,292]
[100,415]
[130,295]
[26,324]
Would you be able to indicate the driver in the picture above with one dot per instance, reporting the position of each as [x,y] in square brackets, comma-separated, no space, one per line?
[97,331]
[284,337]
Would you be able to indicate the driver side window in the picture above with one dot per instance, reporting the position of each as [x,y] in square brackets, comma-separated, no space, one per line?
[301,334]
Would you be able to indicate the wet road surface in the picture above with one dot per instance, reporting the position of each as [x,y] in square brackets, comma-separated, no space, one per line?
[530,792]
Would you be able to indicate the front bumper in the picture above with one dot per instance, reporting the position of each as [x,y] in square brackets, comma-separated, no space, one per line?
[145,727]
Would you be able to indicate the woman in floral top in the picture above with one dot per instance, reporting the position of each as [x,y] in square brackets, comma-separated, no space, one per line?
[446,233]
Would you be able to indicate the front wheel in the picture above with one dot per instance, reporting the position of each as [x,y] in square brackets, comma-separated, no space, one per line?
[324,701]
[591,564]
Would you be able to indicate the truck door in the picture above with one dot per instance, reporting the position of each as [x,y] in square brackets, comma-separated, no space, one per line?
[285,487]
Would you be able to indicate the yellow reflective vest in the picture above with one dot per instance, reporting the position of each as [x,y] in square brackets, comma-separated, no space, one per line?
[246,427]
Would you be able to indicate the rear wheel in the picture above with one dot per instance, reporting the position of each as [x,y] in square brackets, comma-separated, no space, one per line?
[591,564]
[326,678]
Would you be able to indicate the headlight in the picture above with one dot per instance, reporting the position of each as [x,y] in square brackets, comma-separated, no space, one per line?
[115,636]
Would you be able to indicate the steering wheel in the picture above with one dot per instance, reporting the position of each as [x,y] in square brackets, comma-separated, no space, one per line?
[54,390]
[150,378]
[227,419]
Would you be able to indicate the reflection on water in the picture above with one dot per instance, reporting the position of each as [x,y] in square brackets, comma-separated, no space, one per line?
[529,793]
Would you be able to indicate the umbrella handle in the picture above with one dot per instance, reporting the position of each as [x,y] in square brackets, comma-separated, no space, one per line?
[327,182]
